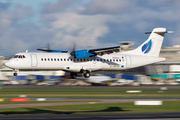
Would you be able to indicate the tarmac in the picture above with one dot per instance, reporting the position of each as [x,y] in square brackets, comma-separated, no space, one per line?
[67,86]
[70,116]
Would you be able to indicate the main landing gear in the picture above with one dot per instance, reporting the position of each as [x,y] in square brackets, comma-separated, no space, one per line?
[73,75]
[86,74]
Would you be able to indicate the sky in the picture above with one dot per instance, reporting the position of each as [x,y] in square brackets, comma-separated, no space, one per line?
[31,24]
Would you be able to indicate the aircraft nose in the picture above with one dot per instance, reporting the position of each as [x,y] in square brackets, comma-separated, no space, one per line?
[8,64]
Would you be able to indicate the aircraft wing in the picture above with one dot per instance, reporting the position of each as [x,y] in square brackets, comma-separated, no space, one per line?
[103,51]
[94,52]
[52,51]
[86,53]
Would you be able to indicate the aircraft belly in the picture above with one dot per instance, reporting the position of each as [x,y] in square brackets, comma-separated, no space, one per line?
[77,67]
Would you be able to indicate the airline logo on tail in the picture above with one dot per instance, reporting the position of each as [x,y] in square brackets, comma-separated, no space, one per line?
[147,47]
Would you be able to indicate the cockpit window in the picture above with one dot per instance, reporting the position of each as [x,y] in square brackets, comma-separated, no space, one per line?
[16,56]
[19,56]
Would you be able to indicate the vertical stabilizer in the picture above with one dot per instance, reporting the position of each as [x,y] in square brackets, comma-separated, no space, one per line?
[152,46]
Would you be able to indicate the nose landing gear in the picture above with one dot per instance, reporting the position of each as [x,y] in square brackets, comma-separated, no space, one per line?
[15,72]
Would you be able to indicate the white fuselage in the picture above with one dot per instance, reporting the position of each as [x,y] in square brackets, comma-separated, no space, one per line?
[66,62]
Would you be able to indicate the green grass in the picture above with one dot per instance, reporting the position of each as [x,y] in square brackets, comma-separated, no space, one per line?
[87,92]
[127,107]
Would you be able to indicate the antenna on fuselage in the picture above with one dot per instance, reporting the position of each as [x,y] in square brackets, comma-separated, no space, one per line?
[26,51]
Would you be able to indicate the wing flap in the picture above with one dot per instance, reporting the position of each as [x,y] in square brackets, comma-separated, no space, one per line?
[103,51]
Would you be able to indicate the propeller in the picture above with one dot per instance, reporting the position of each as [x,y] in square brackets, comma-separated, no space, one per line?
[48,47]
[73,53]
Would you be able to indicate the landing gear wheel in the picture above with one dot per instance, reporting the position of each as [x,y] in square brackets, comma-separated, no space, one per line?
[87,74]
[15,74]
[73,75]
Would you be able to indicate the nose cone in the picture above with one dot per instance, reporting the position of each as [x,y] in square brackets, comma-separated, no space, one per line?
[8,64]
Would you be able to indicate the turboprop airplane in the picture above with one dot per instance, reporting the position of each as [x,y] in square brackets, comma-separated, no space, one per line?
[86,61]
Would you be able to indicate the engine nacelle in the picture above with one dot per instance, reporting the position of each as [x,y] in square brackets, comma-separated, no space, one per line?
[83,54]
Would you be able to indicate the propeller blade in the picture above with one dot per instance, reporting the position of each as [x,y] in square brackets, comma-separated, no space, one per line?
[73,53]
[48,47]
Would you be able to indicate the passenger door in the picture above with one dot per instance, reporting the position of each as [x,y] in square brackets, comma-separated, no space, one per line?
[128,61]
[34,61]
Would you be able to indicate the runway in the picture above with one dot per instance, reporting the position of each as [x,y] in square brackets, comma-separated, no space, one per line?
[129,116]
[67,86]
[74,101]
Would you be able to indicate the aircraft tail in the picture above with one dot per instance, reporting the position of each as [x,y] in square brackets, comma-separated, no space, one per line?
[152,46]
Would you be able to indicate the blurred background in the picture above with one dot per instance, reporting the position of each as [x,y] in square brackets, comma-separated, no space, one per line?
[31,24]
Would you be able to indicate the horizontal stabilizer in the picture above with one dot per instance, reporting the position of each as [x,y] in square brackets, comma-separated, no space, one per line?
[160,32]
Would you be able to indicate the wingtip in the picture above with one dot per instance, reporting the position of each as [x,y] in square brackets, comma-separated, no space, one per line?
[170,32]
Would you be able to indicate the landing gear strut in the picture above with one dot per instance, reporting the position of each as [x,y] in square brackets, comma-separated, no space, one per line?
[73,75]
[86,73]
[15,72]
